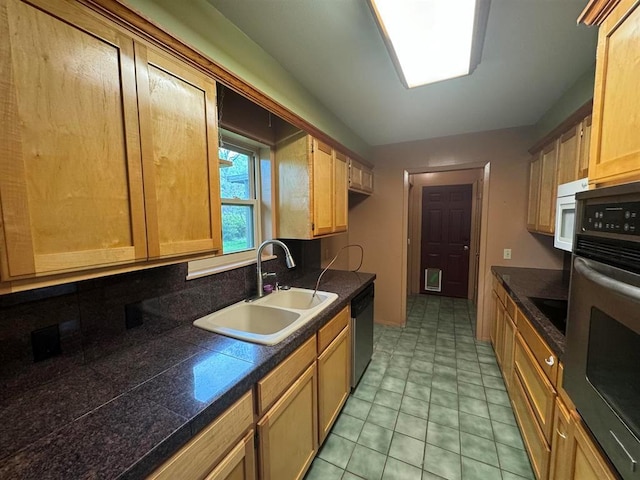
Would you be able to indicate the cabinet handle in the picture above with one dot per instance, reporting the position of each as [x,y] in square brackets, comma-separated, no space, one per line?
[561,435]
[549,361]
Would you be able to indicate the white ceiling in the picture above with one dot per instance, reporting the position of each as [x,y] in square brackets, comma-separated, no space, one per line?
[533,52]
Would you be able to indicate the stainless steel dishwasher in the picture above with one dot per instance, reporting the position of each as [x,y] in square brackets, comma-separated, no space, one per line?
[361,332]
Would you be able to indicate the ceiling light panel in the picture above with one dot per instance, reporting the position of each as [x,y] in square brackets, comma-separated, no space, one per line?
[429,40]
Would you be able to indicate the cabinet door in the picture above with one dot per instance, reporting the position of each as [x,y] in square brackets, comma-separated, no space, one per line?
[568,155]
[288,432]
[334,381]
[615,147]
[355,175]
[180,155]
[548,190]
[367,180]
[322,188]
[499,345]
[534,192]
[589,464]
[562,446]
[494,318]
[585,143]
[341,201]
[239,464]
[508,347]
[70,168]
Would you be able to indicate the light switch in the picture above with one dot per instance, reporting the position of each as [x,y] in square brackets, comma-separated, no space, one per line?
[507,254]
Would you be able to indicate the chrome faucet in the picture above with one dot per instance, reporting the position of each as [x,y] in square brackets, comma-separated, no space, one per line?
[288,259]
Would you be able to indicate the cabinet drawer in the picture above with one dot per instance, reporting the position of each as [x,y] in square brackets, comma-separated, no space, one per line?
[331,330]
[543,355]
[537,387]
[274,383]
[537,446]
[202,453]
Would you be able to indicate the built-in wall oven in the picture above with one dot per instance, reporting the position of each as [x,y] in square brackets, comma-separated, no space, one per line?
[602,357]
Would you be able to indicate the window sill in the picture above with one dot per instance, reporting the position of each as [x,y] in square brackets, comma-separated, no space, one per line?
[226,267]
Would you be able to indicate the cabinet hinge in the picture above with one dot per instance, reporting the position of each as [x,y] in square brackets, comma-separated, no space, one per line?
[313,227]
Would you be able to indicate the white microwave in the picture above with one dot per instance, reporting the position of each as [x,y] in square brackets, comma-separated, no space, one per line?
[566,213]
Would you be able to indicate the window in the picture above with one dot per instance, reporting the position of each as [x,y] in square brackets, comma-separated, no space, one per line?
[245,195]
[239,200]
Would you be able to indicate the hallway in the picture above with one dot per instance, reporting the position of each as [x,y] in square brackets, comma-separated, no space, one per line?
[431,405]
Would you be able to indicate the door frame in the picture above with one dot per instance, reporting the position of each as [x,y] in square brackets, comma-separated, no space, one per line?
[480,241]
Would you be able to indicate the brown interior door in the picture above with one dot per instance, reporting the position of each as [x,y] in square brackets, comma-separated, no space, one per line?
[445,237]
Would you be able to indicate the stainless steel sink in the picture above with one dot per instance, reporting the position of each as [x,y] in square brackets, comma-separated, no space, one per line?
[270,319]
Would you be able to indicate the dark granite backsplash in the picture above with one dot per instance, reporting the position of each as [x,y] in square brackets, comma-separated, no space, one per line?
[93,316]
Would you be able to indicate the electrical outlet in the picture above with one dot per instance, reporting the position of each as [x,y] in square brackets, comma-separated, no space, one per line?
[507,254]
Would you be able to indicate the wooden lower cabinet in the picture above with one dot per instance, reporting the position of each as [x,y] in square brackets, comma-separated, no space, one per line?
[575,455]
[334,381]
[203,456]
[562,448]
[288,432]
[534,439]
[508,349]
[239,464]
[539,391]
[588,463]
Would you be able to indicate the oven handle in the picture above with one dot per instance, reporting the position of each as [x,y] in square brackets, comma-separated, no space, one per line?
[585,268]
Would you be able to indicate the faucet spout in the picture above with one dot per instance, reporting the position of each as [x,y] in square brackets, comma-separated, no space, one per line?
[288,259]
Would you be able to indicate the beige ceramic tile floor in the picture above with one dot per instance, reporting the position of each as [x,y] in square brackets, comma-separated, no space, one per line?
[431,405]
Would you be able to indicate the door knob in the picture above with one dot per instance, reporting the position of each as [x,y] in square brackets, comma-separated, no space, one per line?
[466,247]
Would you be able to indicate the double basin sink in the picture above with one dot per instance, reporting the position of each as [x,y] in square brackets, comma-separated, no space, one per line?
[269,319]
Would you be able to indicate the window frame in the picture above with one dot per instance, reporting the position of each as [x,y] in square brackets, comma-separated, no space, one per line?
[223,262]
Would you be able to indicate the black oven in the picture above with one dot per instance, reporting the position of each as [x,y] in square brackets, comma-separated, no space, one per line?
[602,357]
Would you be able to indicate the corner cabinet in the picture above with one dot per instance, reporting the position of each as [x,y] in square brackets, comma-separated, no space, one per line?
[312,188]
[615,143]
[103,162]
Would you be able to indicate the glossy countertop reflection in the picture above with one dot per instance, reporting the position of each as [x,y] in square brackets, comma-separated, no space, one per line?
[123,415]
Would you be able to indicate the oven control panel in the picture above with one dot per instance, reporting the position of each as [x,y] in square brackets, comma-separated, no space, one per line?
[622,218]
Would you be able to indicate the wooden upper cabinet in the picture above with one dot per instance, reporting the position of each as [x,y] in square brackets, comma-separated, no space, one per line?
[569,155]
[312,188]
[180,155]
[585,144]
[108,148]
[548,190]
[534,192]
[340,189]
[615,142]
[322,178]
[70,163]
[360,177]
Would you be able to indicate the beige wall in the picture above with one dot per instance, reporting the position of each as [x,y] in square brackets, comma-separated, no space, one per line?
[380,224]
[414,250]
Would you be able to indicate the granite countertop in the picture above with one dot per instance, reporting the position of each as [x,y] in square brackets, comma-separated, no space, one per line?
[146,401]
[523,283]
